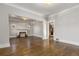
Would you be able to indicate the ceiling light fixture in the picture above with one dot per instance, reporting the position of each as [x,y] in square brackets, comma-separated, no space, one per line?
[45,4]
[24,18]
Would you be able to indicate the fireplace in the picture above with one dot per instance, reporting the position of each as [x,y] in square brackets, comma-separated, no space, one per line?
[22,35]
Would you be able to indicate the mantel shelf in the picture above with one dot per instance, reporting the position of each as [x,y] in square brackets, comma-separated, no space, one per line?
[21,29]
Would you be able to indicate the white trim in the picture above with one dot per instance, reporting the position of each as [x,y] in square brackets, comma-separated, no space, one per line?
[65,10]
[4,45]
[12,36]
[29,13]
[27,10]
[70,42]
[68,9]
[37,35]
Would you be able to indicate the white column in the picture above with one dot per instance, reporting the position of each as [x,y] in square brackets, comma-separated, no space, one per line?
[46,34]
[45,30]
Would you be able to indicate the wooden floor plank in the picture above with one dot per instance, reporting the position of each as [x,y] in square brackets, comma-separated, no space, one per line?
[34,46]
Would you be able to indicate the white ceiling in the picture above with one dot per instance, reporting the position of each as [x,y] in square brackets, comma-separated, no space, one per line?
[46,9]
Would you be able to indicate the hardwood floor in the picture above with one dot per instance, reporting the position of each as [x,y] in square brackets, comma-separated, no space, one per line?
[34,46]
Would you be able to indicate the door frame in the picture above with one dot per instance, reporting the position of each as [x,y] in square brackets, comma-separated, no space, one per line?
[53,24]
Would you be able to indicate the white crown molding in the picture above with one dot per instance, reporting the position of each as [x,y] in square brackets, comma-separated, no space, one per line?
[36,16]
[65,10]
[68,9]
[23,9]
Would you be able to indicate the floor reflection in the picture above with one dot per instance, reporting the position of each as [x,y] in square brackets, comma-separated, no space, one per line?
[45,43]
[35,46]
[13,46]
[29,44]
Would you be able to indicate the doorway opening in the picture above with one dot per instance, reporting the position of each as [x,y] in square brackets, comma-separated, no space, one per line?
[51,31]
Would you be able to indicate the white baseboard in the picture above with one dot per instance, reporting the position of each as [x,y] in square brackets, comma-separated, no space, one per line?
[37,35]
[12,36]
[70,42]
[4,45]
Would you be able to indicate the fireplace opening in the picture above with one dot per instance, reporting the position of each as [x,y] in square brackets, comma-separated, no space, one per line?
[22,35]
